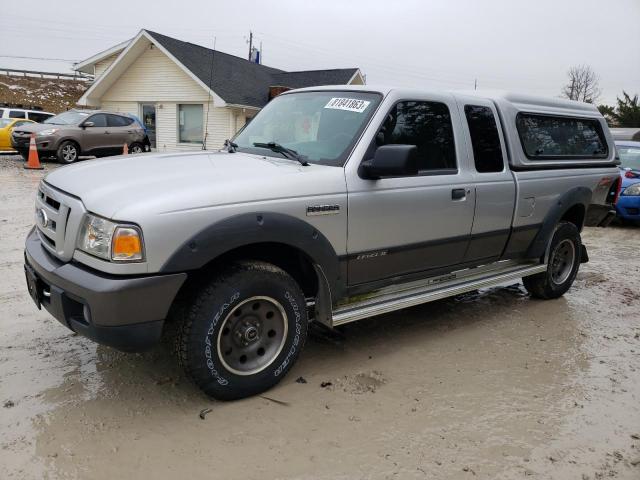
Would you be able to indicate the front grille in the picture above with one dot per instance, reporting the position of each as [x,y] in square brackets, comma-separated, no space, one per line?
[21,139]
[49,201]
[58,218]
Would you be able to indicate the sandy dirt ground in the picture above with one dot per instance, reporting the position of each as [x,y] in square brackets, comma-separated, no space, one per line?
[492,385]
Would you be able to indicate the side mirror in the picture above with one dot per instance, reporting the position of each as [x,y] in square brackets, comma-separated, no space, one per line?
[88,124]
[391,161]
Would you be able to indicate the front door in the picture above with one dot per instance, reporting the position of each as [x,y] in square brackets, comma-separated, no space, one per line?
[149,121]
[404,225]
[97,139]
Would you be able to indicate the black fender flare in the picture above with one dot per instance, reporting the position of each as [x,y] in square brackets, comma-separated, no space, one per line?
[572,197]
[253,228]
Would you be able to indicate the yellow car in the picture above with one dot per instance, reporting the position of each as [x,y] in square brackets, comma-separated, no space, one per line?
[6,126]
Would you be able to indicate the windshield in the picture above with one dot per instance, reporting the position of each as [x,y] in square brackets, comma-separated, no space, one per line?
[321,127]
[629,157]
[67,118]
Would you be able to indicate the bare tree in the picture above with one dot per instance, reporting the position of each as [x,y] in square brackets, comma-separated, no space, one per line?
[583,85]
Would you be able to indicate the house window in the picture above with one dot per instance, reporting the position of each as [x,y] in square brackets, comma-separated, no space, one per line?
[190,123]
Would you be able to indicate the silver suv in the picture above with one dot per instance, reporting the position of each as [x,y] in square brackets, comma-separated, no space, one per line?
[333,205]
[81,132]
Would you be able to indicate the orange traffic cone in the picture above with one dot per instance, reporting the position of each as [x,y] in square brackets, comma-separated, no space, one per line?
[33,162]
[125,149]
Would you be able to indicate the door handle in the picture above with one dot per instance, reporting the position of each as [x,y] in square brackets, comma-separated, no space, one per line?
[458,193]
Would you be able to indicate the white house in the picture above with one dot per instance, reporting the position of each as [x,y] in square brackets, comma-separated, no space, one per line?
[187,94]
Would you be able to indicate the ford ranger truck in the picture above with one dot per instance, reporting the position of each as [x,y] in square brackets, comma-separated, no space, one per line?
[334,204]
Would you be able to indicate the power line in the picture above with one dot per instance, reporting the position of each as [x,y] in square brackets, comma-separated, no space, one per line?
[39,58]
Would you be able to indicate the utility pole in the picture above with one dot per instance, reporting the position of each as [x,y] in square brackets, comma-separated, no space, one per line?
[250,44]
[475,84]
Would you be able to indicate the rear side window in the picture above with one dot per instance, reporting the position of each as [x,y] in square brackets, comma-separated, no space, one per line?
[426,125]
[118,121]
[548,137]
[485,140]
[1,112]
[17,114]
[39,117]
[99,120]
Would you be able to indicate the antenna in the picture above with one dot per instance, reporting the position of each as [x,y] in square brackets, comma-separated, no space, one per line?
[206,122]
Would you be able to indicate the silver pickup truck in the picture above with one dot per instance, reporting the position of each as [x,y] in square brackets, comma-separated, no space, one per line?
[332,205]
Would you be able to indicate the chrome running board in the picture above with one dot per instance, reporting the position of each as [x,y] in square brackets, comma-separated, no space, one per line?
[410,294]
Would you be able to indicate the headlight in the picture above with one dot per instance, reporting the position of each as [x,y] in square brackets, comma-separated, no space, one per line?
[45,133]
[632,190]
[108,240]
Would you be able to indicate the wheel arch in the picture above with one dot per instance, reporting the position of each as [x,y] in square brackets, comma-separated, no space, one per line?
[285,241]
[571,207]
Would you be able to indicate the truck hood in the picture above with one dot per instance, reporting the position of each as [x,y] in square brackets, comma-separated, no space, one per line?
[128,187]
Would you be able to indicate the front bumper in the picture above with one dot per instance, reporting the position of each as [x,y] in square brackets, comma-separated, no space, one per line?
[45,146]
[628,207]
[126,313]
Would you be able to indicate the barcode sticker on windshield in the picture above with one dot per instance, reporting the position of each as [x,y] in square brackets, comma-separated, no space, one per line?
[350,104]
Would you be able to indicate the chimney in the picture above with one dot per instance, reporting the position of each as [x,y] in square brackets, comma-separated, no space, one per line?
[276,90]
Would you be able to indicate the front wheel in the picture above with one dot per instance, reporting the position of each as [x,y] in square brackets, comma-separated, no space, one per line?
[242,332]
[562,267]
[68,152]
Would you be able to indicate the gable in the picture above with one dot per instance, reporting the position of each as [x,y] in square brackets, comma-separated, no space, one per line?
[100,67]
[155,77]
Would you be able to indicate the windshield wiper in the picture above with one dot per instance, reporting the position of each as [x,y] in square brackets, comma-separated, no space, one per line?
[287,152]
[231,146]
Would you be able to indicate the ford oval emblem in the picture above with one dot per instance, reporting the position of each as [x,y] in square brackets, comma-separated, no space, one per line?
[41,218]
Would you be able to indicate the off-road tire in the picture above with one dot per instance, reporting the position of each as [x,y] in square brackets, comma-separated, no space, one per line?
[63,154]
[203,316]
[547,285]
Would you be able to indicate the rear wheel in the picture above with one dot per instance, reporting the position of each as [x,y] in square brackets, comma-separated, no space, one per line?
[68,152]
[136,148]
[241,332]
[562,267]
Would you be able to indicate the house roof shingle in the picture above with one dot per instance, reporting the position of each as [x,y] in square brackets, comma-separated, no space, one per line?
[239,81]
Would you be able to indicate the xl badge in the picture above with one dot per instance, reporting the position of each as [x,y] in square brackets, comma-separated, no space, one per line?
[41,218]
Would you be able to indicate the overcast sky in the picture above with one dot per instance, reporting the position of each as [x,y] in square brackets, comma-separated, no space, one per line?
[518,45]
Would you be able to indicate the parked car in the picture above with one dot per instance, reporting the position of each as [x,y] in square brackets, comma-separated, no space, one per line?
[332,205]
[71,134]
[147,141]
[6,126]
[628,203]
[34,115]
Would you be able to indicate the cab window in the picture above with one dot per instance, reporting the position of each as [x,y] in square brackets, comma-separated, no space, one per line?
[485,140]
[17,114]
[426,125]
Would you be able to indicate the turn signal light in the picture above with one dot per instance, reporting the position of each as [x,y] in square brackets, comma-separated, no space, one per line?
[126,244]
